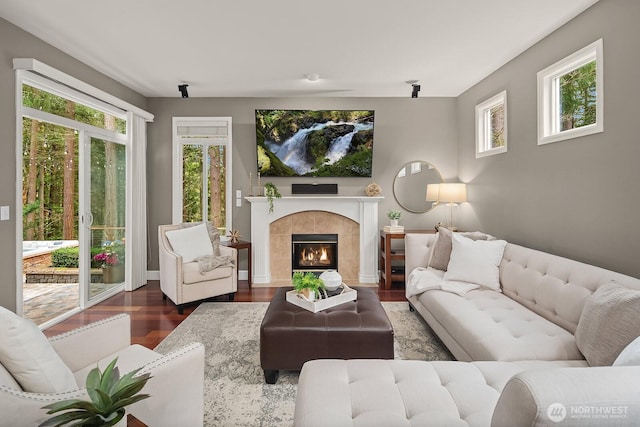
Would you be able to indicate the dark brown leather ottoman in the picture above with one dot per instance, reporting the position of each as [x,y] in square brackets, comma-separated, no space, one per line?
[291,335]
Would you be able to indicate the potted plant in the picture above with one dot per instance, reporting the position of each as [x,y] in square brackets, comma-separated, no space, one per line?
[394,216]
[111,260]
[271,191]
[109,394]
[307,284]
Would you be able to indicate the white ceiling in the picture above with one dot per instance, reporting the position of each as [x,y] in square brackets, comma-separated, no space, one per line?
[256,48]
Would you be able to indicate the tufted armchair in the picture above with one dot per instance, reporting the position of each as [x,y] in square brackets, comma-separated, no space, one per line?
[183,282]
[176,386]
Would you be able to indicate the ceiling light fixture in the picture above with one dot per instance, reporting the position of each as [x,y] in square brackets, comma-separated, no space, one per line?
[312,77]
[182,88]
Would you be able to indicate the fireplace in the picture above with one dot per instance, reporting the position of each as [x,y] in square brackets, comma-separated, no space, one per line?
[314,252]
[271,234]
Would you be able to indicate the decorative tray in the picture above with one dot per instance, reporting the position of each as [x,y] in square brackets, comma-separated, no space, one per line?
[340,296]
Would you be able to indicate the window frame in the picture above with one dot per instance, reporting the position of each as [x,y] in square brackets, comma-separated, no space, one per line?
[179,142]
[548,95]
[483,125]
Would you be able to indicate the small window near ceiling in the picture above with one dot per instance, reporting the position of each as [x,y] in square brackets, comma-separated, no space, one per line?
[571,96]
[491,126]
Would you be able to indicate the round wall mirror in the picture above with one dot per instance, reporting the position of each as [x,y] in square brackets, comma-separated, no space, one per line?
[410,185]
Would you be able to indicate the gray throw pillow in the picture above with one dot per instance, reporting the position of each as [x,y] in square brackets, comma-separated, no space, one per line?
[610,320]
[441,252]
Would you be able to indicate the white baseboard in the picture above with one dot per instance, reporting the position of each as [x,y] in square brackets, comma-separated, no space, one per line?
[153,274]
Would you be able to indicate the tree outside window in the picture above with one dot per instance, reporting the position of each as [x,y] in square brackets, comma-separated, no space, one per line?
[578,97]
[571,96]
[491,126]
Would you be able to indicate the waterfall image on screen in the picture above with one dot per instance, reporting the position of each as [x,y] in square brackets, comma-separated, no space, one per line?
[336,143]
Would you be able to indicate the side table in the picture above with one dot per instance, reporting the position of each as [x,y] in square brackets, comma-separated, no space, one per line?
[241,244]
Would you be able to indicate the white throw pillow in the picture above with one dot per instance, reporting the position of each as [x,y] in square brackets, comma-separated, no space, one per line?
[190,243]
[475,261]
[630,356]
[27,354]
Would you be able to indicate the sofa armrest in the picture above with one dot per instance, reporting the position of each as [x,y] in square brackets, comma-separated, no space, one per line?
[20,408]
[176,388]
[576,396]
[82,346]
[417,248]
[170,264]
[232,252]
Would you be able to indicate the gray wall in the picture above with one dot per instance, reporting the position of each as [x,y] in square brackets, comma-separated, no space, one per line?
[405,129]
[577,198]
[16,43]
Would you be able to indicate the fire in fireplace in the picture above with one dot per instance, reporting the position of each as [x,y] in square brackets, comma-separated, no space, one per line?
[314,252]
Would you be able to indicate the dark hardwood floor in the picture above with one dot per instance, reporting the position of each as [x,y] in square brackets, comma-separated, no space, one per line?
[153,318]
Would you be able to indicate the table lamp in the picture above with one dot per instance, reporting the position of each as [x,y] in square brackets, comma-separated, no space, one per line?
[452,193]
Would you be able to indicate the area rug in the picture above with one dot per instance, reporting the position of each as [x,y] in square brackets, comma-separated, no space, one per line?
[235,393]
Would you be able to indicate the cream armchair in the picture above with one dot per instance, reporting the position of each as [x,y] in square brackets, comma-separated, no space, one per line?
[176,386]
[183,283]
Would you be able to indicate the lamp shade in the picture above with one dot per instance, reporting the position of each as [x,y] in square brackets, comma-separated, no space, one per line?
[452,192]
[433,192]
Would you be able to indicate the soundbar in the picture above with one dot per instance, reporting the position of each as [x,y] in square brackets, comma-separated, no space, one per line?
[314,188]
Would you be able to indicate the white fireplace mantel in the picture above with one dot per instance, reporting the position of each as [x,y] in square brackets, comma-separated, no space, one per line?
[363,210]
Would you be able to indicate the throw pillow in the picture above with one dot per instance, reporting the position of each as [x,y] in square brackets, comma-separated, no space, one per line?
[190,243]
[610,320]
[214,234]
[475,261]
[630,356]
[27,354]
[441,251]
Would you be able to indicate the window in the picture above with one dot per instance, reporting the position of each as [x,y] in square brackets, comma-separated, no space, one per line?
[491,126]
[571,96]
[202,170]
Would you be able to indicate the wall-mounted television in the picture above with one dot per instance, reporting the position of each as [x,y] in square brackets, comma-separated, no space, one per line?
[334,143]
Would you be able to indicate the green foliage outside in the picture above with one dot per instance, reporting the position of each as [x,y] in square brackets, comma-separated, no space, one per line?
[197,160]
[44,165]
[68,257]
[578,97]
[497,126]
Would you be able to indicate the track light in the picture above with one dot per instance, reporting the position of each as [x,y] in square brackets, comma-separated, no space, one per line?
[416,89]
[183,90]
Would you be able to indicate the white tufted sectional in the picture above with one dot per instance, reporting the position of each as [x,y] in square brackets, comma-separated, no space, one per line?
[516,351]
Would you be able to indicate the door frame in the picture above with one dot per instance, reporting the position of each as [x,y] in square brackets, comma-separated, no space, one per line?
[84,131]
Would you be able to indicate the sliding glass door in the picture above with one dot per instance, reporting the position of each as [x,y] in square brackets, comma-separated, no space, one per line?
[106,199]
[74,176]
[50,251]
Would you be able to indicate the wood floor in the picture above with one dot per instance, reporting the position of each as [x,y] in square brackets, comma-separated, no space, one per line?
[152,318]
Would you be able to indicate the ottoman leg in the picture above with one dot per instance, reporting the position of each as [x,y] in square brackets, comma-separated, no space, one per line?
[271,376]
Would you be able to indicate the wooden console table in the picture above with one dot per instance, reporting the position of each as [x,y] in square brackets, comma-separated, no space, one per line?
[241,244]
[387,255]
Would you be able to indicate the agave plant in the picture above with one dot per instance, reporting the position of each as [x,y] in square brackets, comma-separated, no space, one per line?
[109,395]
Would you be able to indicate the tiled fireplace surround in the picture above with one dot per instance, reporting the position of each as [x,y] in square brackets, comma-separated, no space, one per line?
[353,219]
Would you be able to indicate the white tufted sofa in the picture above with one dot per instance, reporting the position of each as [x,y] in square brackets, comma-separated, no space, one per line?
[535,316]
[521,342]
